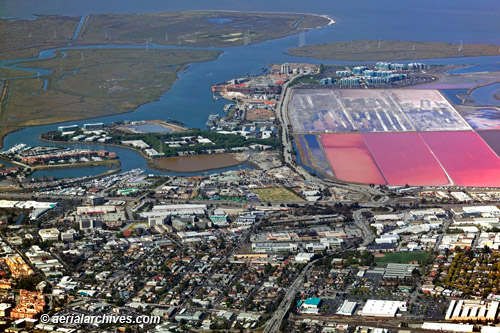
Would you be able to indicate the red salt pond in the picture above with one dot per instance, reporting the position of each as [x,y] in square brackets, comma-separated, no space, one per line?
[466,157]
[350,159]
[404,158]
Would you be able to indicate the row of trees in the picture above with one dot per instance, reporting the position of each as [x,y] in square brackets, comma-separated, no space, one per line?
[220,141]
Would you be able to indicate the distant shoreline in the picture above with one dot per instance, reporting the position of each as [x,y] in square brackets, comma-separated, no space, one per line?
[390,50]
[331,21]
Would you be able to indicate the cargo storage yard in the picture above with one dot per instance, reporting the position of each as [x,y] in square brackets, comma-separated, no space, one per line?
[392,136]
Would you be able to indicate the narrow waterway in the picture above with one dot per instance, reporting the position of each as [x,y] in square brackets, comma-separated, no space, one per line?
[79,27]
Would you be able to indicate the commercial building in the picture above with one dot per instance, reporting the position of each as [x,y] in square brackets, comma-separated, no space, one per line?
[93,127]
[285,68]
[127,191]
[399,271]
[359,69]
[219,218]
[183,209]
[483,210]
[67,128]
[472,310]
[448,327]
[95,210]
[136,144]
[343,73]
[245,219]
[328,80]
[156,220]
[347,308]
[246,317]
[311,305]
[90,224]
[387,217]
[416,65]
[463,241]
[380,308]
[304,257]
[78,137]
[316,247]
[227,315]
[354,80]
[36,208]
[95,200]
[49,235]
[387,239]
[195,236]
[189,315]
[274,247]
[68,236]
[103,213]
[394,271]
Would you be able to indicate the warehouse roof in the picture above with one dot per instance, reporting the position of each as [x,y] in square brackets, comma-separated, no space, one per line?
[313,301]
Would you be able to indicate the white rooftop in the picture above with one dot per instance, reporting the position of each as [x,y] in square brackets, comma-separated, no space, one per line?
[381,308]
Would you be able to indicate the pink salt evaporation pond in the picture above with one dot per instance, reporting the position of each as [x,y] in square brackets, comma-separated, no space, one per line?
[404,158]
[468,160]
[350,159]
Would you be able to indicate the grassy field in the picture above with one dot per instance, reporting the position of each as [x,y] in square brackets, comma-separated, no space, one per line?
[4,72]
[401,258]
[92,83]
[276,194]
[369,50]
[25,38]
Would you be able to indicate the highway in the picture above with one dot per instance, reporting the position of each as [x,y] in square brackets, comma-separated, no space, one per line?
[208,279]
[362,223]
[273,324]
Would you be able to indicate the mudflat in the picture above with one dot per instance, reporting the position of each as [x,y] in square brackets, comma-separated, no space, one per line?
[195,163]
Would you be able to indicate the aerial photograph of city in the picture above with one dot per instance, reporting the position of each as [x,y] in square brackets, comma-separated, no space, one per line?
[249,166]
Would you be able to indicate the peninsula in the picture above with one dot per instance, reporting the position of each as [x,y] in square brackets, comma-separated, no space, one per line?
[92,83]
[26,38]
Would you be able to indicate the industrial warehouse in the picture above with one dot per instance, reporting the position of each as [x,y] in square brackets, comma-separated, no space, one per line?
[472,310]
